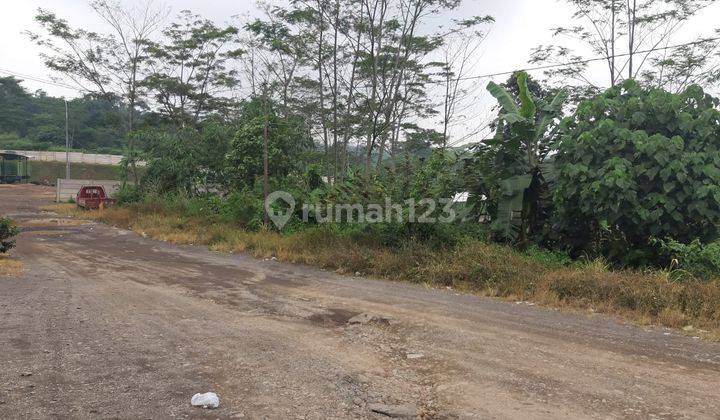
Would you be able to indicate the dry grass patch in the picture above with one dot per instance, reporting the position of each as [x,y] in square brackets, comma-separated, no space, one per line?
[473,266]
[67,209]
[49,222]
[10,267]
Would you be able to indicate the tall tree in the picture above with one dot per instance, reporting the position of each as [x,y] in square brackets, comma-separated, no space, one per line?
[188,70]
[357,70]
[393,56]
[108,64]
[459,58]
[283,54]
[636,39]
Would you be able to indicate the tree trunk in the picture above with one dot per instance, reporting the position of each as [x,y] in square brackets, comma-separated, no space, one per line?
[322,90]
[348,112]
[335,92]
[266,171]
[613,13]
[631,36]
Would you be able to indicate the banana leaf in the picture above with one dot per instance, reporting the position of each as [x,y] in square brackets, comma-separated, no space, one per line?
[507,103]
[550,112]
[508,220]
[527,105]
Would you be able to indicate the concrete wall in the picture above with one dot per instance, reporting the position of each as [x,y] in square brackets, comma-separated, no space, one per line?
[65,189]
[74,157]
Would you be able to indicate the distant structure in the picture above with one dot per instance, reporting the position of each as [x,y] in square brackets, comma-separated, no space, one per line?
[74,157]
[13,168]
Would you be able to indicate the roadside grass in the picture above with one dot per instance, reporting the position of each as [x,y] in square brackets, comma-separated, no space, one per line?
[473,266]
[10,267]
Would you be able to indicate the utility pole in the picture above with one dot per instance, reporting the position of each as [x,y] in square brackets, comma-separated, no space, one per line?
[67,143]
[266,185]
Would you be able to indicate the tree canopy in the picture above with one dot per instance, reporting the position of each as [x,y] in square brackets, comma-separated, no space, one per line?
[37,121]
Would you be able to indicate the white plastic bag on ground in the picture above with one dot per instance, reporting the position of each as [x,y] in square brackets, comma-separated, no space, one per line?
[206,400]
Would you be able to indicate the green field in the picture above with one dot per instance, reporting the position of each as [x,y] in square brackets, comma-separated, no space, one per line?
[47,173]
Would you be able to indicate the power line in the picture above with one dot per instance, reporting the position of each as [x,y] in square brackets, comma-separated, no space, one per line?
[482,76]
[39,80]
[586,61]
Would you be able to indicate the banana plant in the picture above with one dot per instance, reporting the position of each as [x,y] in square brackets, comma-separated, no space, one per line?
[523,140]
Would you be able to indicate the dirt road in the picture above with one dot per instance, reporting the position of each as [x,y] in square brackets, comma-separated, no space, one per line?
[105,323]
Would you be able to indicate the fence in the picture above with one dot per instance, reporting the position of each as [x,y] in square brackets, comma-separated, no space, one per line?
[74,157]
[65,189]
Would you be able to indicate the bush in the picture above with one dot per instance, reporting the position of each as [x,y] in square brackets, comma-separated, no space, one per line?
[8,231]
[637,163]
[173,160]
[128,194]
[205,206]
[243,208]
[287,140]
[696,258]
[548,257]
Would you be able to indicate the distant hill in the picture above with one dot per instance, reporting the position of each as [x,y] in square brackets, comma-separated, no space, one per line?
[36,121]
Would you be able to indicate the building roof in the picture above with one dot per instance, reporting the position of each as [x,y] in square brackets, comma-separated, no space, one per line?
[12,156]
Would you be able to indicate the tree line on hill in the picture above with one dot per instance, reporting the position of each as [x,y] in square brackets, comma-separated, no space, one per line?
[36,121]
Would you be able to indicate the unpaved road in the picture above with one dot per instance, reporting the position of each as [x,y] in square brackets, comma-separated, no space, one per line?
[105,323]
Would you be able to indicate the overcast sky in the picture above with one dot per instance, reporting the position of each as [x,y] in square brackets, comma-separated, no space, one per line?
[520,26]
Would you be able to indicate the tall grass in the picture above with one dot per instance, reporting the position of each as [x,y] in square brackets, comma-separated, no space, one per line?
[471,266]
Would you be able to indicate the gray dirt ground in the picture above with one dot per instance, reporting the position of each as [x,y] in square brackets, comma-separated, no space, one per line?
[105,323]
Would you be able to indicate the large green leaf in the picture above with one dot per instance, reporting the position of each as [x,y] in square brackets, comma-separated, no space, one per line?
[522,148]
[553,110]
[527,105]
[508,220]
[513,118]
[548,170]
[504,98]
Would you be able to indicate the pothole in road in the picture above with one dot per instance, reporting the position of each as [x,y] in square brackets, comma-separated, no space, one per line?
[332,317]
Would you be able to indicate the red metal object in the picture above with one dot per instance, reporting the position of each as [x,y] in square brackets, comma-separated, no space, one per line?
[93,197]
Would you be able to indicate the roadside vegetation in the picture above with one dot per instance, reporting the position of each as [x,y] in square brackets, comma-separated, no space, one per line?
[471,265]
[600,198]
[10,267]
[8,231]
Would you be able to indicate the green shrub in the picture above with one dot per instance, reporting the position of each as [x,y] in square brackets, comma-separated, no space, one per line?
[206,206]
[287,140]
[549,258]
[700,260]
[12,141]
[244,208]
[8,231]
[444,235]
[375,234]
[637,163]
[128,194]
[173,160]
